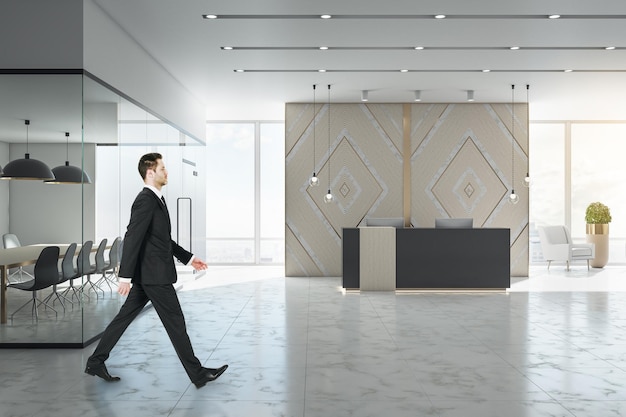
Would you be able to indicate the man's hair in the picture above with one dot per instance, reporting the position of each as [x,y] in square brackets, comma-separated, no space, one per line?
[148,161]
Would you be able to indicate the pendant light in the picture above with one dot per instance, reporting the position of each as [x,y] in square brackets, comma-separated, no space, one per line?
[328,198]
[68,174]
[314,181]
[513,198]
[527,177]
[27,169]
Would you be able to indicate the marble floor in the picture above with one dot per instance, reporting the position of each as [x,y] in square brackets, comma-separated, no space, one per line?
[553,345]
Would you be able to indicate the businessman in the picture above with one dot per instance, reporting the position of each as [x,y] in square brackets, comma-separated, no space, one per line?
[147,273]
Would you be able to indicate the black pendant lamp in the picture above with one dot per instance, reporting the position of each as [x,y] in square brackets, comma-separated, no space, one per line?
[68,174]
[527,179]
[314,181]
[513,198]
[328,198]
[27,169]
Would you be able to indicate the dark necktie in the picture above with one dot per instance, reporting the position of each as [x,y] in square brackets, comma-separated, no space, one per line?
[166,211]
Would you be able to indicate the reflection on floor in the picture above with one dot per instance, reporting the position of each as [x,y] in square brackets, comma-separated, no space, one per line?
[70,326]
[302,347]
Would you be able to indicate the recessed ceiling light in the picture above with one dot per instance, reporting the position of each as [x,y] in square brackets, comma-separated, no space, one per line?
[404,70]
[554,16]
[568,70]
[419,48]
[239,70]
[486,70]
[514,48]
[440,16]
[609,48]
[227,48]
[209,16]
[321,70]
[323,48]
[325,16]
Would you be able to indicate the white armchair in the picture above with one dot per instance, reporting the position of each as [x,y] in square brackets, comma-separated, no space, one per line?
[556,244]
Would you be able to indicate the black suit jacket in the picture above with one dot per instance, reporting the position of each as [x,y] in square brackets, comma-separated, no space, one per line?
[148,250]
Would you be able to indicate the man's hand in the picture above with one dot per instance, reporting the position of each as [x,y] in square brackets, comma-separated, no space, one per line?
[123,288]
[198,264]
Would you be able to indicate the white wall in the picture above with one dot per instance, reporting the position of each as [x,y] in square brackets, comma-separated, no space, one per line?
[45,213]
[41,34]
[77,34]
[113,56]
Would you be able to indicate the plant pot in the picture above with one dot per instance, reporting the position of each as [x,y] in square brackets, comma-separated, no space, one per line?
[598,234]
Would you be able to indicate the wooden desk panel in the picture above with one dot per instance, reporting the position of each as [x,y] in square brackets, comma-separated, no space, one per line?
[377,258]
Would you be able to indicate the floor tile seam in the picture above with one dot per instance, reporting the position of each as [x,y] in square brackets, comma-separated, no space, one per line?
[608,361]
[416,375]
[180,398]
[527,378]
[230,326]
[380,319]
[471,333]
[443,402]
[487,345]
[621,368]
[559,335]
[404,360]
[79,380]
[501,356]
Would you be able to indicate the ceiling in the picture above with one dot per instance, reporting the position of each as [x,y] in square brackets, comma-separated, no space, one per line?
[277,44]
[476,35]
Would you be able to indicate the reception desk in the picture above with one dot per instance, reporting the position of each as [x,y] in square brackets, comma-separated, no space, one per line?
[433,258]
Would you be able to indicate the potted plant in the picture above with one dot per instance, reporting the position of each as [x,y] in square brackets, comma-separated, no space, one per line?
[598,217]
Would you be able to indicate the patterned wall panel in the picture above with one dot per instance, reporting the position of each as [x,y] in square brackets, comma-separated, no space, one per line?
[460,166]
[364,165]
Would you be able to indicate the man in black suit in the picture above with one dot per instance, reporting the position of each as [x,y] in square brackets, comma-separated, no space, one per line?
[147,262]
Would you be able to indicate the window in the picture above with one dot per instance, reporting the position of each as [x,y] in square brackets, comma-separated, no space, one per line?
[272,202]
[245,192]
[571,165]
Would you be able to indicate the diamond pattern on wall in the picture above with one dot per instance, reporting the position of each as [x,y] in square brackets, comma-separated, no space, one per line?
[460,161]
[344,190]
[353,185]
[468,186]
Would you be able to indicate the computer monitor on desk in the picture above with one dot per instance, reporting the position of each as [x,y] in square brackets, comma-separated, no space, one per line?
[397,222]
[459,223]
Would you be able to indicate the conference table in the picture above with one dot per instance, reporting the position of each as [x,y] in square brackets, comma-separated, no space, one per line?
[16,257]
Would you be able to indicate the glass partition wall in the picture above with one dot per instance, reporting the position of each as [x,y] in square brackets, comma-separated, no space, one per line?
[108,132]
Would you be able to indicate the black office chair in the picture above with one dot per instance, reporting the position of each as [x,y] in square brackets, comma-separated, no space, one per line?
[68,273]
[46,275]
[109,268]
[86,268]
[83,264]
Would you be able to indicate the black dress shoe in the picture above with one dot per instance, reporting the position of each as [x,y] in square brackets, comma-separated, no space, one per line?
[219,371]
[102,372]
[208,375]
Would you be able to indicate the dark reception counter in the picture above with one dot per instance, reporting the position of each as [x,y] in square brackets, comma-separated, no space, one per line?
[426,258]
